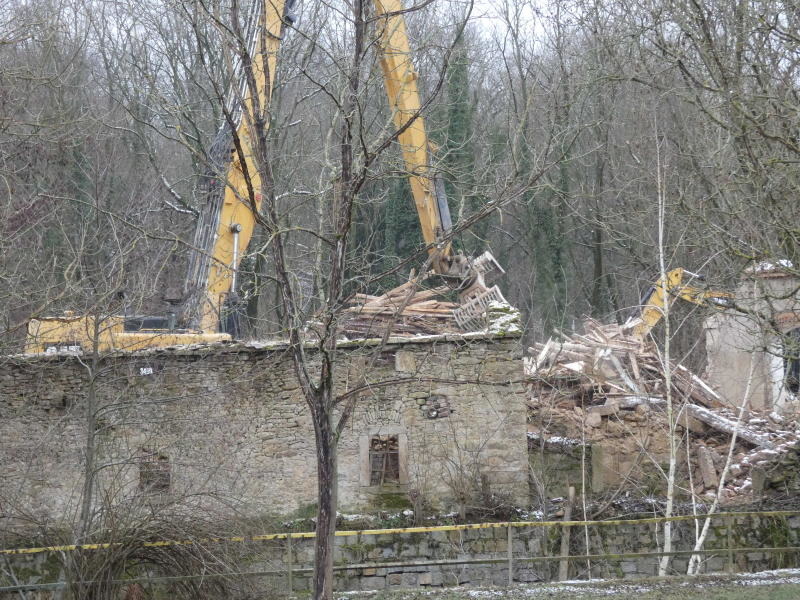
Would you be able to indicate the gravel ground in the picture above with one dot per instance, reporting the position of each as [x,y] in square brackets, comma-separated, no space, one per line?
[769,585]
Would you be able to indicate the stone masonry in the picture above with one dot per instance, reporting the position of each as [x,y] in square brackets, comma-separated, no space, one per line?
[479,557]
[229,422]
[752,345]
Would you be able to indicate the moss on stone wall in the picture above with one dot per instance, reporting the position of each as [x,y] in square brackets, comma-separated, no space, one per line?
[234,426]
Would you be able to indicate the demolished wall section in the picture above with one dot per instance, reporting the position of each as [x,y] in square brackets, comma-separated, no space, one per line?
[608,391]
[748,345]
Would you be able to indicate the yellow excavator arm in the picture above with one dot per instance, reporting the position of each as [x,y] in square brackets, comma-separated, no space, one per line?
[400,82]
[400,79]
[235,219]
[229,223]
[668,289]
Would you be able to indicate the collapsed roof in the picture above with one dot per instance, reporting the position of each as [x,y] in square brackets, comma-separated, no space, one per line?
[606,375]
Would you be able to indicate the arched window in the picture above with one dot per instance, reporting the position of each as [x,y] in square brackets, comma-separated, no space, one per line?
[791,360]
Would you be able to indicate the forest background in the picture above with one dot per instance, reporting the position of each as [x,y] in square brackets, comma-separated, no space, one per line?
[108,113]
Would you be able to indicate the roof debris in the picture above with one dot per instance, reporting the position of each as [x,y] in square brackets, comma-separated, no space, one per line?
[410,310]
[605,375]
[421,313]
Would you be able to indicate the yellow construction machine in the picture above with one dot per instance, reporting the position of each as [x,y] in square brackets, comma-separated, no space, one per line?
[470,275]
[668,289]
[223,232]
[226,226]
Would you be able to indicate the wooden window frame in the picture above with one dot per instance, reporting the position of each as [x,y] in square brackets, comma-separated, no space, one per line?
[365,442]
[384,459]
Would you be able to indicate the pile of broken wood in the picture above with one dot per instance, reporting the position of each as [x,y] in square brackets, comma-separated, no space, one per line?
[406,310]
[621,369]
[611,373]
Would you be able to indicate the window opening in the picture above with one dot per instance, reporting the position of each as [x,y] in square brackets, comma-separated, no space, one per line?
[791,360]
[155,473]
[384,459]
[62,347]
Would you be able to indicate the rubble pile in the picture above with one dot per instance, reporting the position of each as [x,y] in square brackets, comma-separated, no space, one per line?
[622,370]
[409,310]
[605,381]
[421,314]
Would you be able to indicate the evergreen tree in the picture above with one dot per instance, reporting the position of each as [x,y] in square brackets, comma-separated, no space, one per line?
[401,230]
[458,151]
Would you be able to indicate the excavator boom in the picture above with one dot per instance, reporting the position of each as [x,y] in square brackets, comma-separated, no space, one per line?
[400,78]
[400,82]
[232,221]
[221,237]
[668,289]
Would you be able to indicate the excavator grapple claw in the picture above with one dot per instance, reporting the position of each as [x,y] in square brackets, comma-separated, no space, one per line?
[471,315]
[488,267]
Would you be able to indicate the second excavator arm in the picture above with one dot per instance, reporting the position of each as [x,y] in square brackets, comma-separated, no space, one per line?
[668,289]
[400,82]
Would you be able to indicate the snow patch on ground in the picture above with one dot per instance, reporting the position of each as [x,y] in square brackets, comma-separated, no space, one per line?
[601,587]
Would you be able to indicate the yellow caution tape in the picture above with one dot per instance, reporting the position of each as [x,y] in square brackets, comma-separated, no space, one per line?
[345,533]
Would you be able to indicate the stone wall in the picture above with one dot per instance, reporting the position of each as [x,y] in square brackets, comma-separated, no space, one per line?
[779,475]
[537,542]
[228,425]
[428,559]
[625,448]
[740,344]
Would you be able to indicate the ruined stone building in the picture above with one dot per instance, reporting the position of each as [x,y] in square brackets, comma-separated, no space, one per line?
[439,419]
[761,344]
[598,402]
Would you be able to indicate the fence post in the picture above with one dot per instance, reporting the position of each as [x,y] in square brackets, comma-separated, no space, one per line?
[289,565]
[510,557]
[563,564]
[731,565]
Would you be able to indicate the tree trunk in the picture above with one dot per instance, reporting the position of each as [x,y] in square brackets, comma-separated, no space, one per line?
[664,563]
[326,511]
[598,304]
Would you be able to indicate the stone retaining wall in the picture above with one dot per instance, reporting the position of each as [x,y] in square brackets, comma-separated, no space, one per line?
[745,531]
[378,555]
